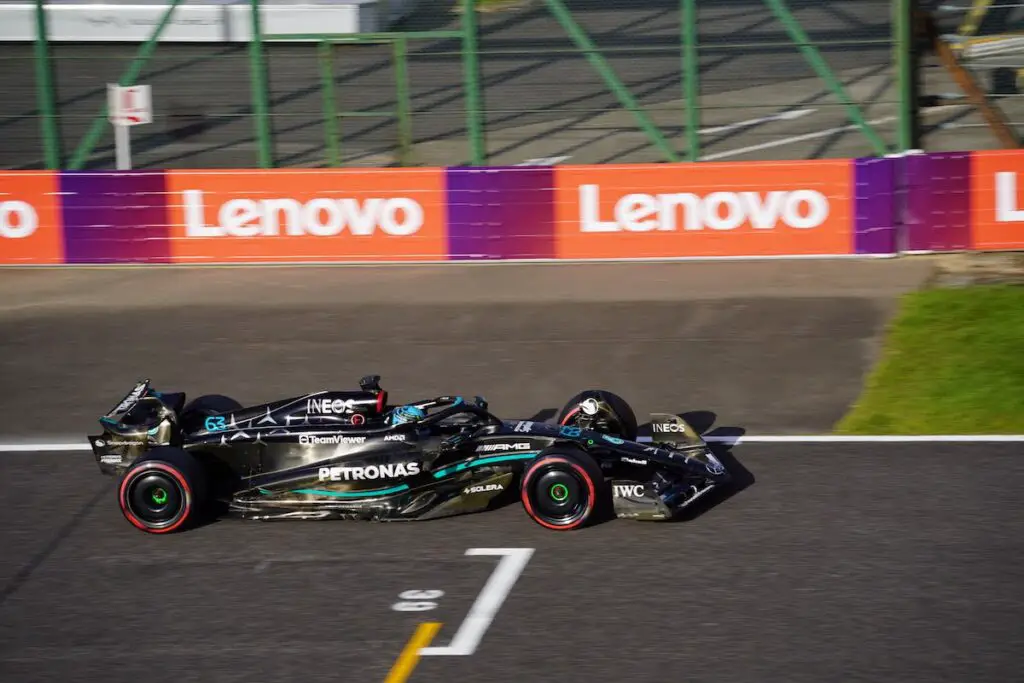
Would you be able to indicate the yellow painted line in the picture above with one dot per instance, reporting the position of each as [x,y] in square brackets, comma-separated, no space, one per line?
[406,661]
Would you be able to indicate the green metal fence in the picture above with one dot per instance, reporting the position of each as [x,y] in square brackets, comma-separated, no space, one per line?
[523,81]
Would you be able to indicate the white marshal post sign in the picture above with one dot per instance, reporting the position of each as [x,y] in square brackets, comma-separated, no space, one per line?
[127,106]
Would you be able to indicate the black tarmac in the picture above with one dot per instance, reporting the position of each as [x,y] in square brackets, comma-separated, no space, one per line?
[837,563]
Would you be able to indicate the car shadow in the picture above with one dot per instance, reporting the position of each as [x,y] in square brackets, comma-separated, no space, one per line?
[721,441]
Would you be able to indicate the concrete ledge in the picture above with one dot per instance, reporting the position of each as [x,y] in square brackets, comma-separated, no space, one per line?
[195,21]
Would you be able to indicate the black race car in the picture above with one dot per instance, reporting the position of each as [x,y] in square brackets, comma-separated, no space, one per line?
[349,454]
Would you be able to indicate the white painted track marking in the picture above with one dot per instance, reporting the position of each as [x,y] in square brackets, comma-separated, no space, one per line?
[488,602]
[885,438]
[44,447]
[75,447]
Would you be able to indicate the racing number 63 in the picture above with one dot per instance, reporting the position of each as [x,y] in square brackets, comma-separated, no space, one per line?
[417,601]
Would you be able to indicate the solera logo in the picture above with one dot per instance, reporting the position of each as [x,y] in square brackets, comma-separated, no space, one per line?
[322,217]
[17,219]
[719,210]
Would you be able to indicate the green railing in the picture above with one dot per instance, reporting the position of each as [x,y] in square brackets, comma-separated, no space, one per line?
[643,80]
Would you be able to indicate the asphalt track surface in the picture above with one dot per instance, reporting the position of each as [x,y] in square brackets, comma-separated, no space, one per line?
[838,562]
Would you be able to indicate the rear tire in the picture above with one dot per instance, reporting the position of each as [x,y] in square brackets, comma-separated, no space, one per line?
[626,417]
[163,491]
[564,489]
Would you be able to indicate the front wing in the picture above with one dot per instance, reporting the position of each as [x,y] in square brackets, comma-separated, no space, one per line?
[666,492]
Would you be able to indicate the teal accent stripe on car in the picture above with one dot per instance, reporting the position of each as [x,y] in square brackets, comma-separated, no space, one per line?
[444,472]
[354,494]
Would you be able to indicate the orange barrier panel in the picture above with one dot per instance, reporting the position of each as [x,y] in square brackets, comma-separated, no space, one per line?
[997,200]
[30,220]
[711,209]
[307,215]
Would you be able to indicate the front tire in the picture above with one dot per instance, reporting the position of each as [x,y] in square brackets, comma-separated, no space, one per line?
[564,489]
[163,491]
[624,425]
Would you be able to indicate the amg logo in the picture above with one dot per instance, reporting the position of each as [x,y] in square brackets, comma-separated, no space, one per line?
[310,440]
[483,488]
[326,406]
[389,471]
[668,427]
[491,447]
[628,490]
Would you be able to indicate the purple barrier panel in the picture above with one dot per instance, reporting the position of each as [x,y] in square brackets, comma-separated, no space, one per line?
[938,201]
[875,208]
[501,213]
[115,217]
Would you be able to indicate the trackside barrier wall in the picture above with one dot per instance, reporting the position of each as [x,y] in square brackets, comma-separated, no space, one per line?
[846,207]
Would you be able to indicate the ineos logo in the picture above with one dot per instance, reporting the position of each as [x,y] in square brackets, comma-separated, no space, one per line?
[326,406]
[17,219]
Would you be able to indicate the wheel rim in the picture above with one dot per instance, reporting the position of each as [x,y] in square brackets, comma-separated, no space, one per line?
[559,496]
[155,498]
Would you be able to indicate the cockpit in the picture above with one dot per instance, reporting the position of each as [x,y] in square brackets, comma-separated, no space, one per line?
[445,415]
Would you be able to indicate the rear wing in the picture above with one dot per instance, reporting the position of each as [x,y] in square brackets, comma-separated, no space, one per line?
[140,410]
[666,428]
[128,402]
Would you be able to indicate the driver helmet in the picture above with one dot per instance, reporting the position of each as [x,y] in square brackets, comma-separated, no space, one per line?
[404,414]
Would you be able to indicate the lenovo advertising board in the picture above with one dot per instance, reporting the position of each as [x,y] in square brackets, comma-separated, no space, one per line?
[713,209]
[30,220]
[946,201]
[997,200]
[300,215]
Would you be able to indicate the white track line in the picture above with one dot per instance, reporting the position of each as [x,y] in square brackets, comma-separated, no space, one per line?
[43,447]
[76,447]
[488,602]
[884,438]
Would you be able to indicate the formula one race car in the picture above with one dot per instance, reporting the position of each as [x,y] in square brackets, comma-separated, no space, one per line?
[349,454]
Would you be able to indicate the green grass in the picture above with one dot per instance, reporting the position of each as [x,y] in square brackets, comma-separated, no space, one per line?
[953,363]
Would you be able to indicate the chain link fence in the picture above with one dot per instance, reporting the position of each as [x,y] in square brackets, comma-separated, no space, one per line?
[549,81]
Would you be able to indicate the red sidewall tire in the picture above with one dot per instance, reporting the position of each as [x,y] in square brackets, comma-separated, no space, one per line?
[584,475]
[188,498]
